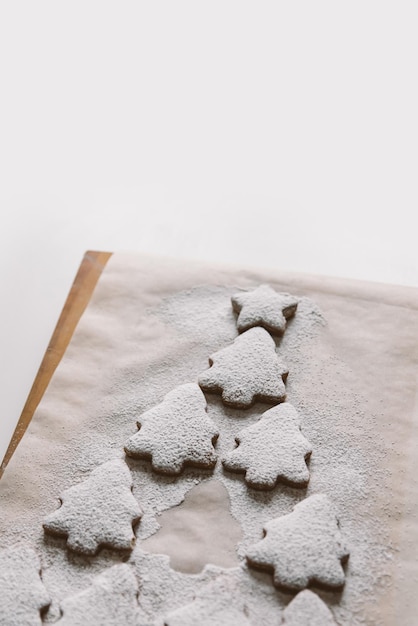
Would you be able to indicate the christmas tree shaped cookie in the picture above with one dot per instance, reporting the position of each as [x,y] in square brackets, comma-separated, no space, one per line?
[111,600]
[264,307]
[306,609]
[98,512]
[272,450]
[303,547]
[246,371]
[22,593]
[176,432]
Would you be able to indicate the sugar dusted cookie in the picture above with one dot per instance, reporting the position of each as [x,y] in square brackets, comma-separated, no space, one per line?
[303,547]
[272,450]
[307,609]
[176,432]
[111,600]
[264,307]
[207,614]
[220,604]
[22,594]
[98,512]
[246,371]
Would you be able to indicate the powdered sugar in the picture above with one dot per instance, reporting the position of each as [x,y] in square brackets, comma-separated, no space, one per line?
[136,334]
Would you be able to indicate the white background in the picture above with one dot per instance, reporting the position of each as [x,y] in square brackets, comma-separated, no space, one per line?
[281,134]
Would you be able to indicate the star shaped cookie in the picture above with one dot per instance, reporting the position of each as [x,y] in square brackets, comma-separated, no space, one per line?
[264,307]
[304,547]
[272,450]
[176,432]
[98,512]
[246,371]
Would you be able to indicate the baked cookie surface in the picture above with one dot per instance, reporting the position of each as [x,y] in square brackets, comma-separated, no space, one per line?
[303,547]
[23,596]
[98,512]
[176,432]
[272,450]
[307,609]
[110,600]
[264,307]
[246,371]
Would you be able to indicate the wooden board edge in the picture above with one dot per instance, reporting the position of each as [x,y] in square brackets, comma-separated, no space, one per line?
[80,293]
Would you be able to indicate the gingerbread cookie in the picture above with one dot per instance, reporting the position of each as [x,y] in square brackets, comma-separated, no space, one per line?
[207,614]
[307,609]
[272,450]
[177,432]
[98,512]
[246,371]
[111,600]
[303,547]
[219,603]
[22,594]
[264,307]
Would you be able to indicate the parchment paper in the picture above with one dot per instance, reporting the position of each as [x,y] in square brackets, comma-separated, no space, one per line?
[150,326]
